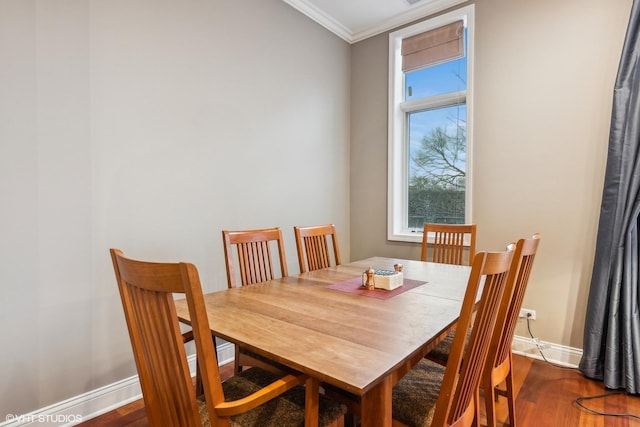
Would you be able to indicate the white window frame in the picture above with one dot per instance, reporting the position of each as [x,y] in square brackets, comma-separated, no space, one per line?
[397,185]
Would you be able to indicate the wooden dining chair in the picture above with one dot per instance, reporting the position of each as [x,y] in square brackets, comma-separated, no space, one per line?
[499,365]
[254,397]
[449,243]
[255,265]
[434,395]
[313,247]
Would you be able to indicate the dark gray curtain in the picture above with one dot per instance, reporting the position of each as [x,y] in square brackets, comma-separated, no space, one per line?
[612,325]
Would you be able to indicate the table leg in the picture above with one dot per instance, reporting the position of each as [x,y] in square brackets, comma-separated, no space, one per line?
[376,405]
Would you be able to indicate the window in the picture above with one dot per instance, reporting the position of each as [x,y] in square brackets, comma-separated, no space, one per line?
[430,118]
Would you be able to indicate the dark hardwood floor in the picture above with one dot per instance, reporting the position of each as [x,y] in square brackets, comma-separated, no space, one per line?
[546,397]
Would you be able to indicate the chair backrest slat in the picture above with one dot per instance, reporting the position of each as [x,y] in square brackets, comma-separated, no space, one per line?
[317,251]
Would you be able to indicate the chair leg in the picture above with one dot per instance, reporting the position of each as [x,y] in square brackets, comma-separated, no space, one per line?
[237,368]
[350,420]
[490,397]
[511,398]
[352,417]
[199,386]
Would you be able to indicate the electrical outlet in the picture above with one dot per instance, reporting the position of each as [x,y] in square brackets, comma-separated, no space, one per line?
[525,312]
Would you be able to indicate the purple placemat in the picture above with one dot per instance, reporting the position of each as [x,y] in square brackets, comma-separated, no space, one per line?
[354,286]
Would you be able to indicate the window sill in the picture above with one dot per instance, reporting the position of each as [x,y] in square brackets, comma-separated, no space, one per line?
[406,236]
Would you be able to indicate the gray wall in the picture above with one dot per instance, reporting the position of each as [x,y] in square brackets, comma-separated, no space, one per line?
[544,76]
[150,126]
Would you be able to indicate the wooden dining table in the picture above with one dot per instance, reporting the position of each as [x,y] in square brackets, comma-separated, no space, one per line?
[325,324]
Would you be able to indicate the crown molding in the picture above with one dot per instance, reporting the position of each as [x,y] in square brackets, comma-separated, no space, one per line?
[321,18]
[351,36]
[411,15]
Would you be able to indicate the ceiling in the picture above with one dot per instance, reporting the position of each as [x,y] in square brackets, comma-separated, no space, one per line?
[356,20]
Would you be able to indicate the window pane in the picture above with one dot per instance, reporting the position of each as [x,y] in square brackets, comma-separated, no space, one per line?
[437,165]
[439,79]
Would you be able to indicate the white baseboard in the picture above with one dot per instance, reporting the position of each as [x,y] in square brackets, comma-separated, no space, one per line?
[97,402]
[555,353]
